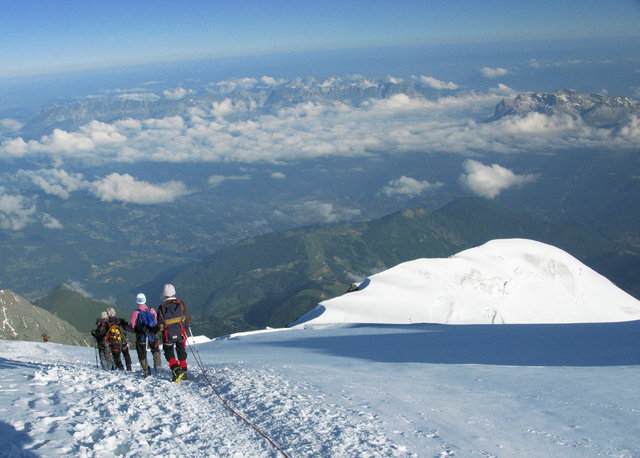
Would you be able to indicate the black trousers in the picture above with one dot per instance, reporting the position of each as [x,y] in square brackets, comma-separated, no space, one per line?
[118,361]
[170,354]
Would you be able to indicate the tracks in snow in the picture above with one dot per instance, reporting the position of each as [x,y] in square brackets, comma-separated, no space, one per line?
[81,411]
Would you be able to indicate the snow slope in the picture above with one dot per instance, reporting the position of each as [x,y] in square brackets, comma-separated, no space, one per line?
[502,281]
[420,390]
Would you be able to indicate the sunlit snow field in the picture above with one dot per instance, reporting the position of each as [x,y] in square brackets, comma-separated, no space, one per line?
[384,390]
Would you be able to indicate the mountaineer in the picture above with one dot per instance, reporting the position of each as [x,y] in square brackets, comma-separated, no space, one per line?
[144,323]
[100,334]
[118,339]
[172,316]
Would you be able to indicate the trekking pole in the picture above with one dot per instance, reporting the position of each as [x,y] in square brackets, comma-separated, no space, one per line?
[96,352]
[194,347]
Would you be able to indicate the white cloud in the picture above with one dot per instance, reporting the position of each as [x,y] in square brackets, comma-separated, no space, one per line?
[217,180]
[278,175]
[632,128]
[15,147]
[407,187]
[114,187]
[490,180]
[177,94]
[324,211]
[393,80]
[50,222]
[139,96]
[16,211]
[124,188]
[57,182]
[226,87]
[488,72]
[78,288]
[437,84]
[10,124]
[269,81]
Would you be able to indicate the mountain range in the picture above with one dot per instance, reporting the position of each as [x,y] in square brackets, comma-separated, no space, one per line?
[257,97]
[595,109]
[273,279]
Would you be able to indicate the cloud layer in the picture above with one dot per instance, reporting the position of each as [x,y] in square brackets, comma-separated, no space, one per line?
[230,130]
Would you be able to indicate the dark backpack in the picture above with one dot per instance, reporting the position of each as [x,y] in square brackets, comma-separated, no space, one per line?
[173,315]
[116,337]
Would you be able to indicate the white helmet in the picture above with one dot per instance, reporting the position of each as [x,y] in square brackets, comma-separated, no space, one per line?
[169,290]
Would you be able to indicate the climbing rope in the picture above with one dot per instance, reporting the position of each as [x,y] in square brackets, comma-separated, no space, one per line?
[198,360]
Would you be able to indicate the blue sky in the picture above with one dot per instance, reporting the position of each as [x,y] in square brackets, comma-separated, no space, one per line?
[39,36]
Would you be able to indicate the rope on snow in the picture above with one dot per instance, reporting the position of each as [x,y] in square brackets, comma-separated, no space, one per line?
[198,360]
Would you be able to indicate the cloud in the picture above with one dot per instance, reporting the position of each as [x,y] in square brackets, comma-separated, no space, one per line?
[437,84]
[324,211]
[217,180]
[227,87]
[490,180]
[407,187]
[16,211]
[114,187]
[124,188]
[57,182]
[10,124]
[50,222]
[270,81]
[78,288]
[139,96]
[632,128]
[88,139]
[177,94]
[488,72]
[278,176]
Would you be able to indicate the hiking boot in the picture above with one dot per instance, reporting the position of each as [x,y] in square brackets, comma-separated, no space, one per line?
[181,374]
[175,370]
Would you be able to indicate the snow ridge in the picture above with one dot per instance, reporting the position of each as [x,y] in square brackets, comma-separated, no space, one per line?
[510,281]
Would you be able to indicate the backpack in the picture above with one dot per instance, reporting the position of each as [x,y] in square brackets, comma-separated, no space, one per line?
[116,337]
[173,316]
[144,324]
[145,320]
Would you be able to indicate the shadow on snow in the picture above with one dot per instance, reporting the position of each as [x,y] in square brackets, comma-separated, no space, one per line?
[583,344]
[15,441]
